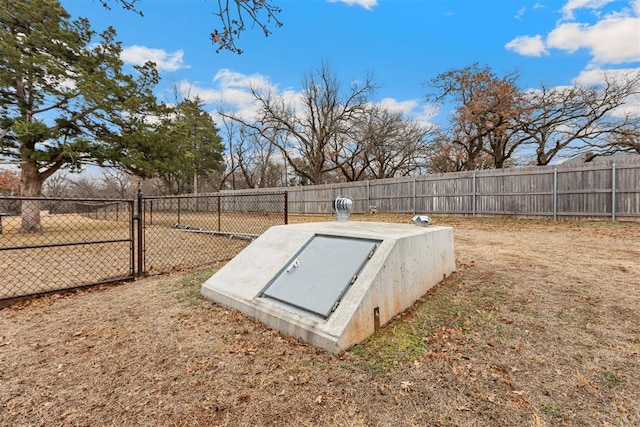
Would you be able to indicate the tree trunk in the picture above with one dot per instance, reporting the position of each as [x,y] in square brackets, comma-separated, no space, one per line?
[30,186]
[195,182]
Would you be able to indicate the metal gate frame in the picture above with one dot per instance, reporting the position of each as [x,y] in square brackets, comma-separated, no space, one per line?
[269,208]
[130,218]
[272,204]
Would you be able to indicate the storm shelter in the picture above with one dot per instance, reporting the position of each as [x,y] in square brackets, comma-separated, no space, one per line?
[320,273]
[332,284]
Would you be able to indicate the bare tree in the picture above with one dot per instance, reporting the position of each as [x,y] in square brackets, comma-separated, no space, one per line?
[9,182]
[396,147]
[380,144]
[233,15]
[230,129]
[626,140]
[579,117]
[308,132]
[349,149]
[255,153]
[445,155]
[117,184]
[502,119]
[486,113]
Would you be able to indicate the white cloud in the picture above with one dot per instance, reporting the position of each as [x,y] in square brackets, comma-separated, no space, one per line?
[612,40]
[520,13]
[231,91]
[164,61]
[411,109]
[597,77]
[528,45]
[233,79]
[402,107]
[572,5]
[367,4]
[425,113]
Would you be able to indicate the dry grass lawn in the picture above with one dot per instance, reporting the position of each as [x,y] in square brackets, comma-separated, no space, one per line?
[539,326]
[57,258]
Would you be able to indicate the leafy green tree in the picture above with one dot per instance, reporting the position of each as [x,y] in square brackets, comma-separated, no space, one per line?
[64,97]
[196,148]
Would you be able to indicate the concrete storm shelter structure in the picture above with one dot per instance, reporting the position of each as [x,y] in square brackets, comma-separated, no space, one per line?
[332,284]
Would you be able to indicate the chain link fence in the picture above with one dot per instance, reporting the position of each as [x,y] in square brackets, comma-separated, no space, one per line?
[48,245]
[53,244]
[183,232]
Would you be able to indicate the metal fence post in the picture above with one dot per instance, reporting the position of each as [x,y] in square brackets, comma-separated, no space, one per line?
[219,220]
[140,240]
[555,194]
[333,196]
[474,200]
[132,237]
[414,194]
[286,207]
[613,192]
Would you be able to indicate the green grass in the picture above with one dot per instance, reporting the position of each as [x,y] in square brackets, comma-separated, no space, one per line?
[611,378]
[187,288]
[439,317]
[548,409]
[393,345]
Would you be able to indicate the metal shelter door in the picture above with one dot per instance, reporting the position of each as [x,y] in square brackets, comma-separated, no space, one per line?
[318,276]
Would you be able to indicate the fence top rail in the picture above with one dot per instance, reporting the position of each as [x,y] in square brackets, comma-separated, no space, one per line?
[599,166]
[230,193]
[479,173]
[66,199]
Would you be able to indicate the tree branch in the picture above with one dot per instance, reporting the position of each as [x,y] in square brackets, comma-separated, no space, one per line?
[261,13]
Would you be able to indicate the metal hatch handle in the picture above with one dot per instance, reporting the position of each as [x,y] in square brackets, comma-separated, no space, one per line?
[295,264]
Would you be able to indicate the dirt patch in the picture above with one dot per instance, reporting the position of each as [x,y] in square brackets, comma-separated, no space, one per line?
[539,326]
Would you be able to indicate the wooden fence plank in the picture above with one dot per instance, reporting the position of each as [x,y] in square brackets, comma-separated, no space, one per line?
[604,189]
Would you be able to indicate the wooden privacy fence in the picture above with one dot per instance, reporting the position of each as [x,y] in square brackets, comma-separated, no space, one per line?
[603,189]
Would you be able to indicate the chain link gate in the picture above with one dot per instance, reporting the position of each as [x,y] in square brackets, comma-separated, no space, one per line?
[71,243]
[88,242]
[190,231]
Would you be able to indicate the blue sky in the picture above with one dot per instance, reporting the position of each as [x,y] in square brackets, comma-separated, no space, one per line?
[403,43]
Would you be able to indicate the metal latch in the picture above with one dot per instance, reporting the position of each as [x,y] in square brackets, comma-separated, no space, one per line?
[295,264]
